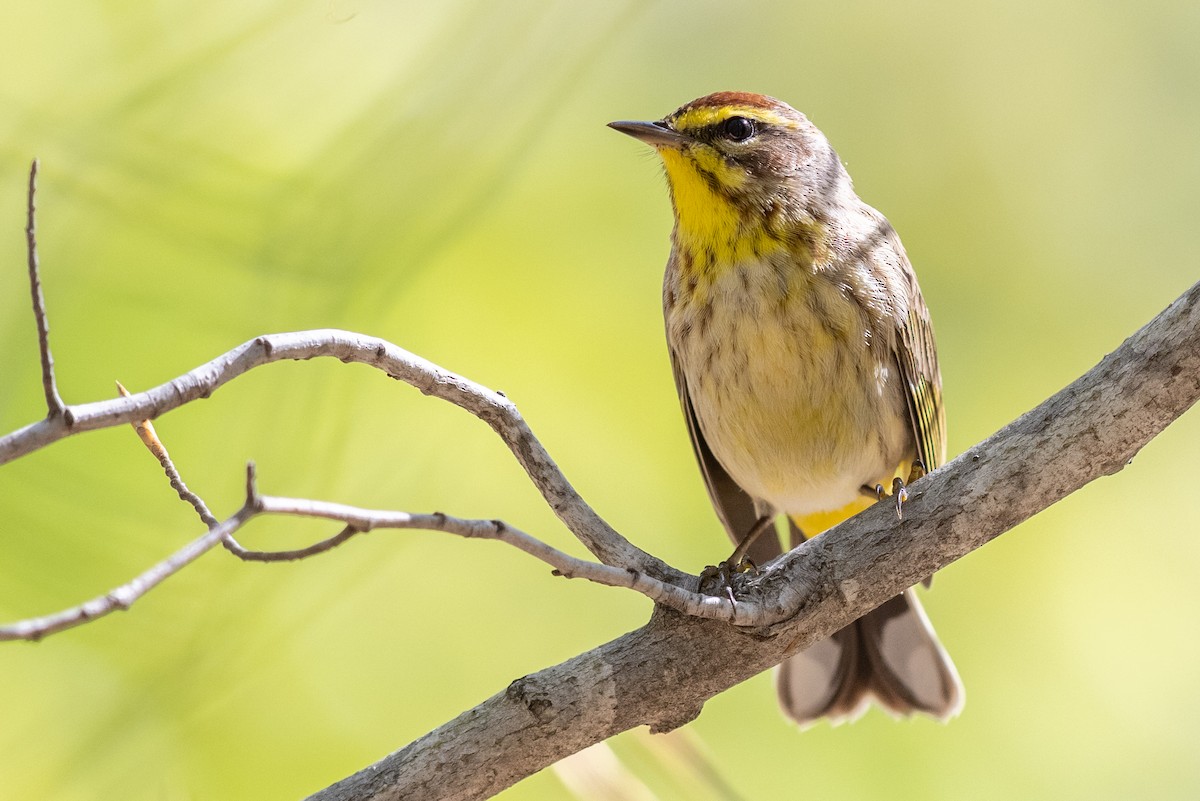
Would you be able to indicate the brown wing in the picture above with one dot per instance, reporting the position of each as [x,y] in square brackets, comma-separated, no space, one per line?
[916,356]
[734,506]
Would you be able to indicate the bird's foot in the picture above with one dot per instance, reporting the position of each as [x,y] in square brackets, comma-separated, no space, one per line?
[899,495]
[722,579]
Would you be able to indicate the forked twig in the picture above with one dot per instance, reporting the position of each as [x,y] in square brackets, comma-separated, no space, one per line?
[358,520]
[597,535]
[149,437]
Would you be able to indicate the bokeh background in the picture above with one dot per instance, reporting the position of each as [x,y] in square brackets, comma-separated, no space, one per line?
[440,175]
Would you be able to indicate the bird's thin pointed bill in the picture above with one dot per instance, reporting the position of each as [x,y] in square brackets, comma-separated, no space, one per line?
[652,133]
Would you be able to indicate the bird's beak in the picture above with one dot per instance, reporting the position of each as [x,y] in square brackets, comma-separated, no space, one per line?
[652,133]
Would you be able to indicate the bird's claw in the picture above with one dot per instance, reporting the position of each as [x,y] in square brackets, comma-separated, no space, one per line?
[720,579]
[899,495]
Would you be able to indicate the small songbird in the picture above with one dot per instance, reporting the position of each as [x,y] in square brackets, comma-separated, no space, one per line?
[805,362]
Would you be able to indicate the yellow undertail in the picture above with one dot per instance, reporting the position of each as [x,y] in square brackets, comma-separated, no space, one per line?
[817,522]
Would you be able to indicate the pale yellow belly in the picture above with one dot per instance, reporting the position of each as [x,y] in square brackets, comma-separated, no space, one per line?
[796,406]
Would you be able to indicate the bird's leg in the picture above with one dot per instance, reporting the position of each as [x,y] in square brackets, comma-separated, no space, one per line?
[737,562]
[738,558]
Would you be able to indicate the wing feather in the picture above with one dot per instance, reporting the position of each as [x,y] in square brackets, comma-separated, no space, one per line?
[916,358]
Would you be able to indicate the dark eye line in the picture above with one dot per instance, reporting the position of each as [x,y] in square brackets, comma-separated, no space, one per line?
[719,130]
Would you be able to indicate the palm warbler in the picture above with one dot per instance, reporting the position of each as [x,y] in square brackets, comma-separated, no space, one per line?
[805,363]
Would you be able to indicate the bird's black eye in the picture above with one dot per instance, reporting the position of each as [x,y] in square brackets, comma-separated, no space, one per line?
[737,129]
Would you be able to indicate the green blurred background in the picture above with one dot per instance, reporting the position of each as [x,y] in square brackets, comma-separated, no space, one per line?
[440,176]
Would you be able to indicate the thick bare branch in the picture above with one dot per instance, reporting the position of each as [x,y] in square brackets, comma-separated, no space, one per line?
[661,674]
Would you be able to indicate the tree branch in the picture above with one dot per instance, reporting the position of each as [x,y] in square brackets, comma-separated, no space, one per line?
[124,596]
[363,520]
[359,521]
[491,407]
[661,674]
[149,437]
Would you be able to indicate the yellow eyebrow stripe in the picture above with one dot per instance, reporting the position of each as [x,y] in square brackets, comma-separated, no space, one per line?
[710,115]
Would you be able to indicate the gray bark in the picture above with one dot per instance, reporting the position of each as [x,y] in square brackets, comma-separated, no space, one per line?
[661,674]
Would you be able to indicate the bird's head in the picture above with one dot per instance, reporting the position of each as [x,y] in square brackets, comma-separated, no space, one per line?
[739,162]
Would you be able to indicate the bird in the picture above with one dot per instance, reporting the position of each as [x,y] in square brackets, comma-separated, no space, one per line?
[804,357]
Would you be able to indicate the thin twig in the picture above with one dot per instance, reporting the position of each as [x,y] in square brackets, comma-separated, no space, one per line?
[255,501]
[299,553]
[124,596]
[365,520]
[54,402]
[493,408]
[362,520]
[358,520]
[149,437]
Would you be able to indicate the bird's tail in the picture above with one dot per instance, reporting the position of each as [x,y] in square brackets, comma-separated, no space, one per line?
[890,655]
